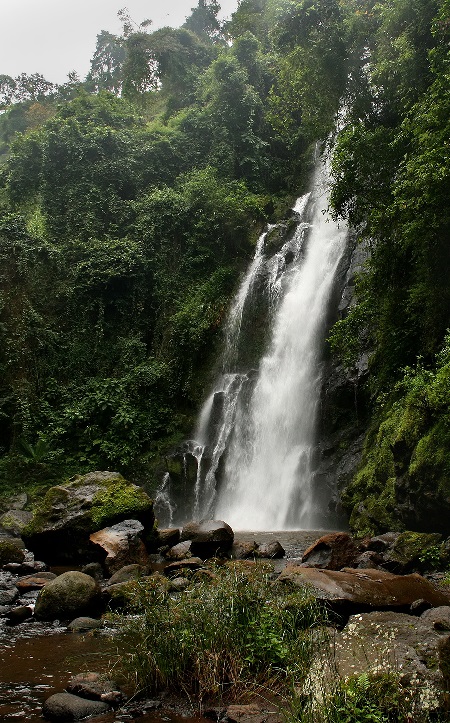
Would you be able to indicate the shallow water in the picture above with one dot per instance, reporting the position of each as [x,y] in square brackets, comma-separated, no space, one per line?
[38,659]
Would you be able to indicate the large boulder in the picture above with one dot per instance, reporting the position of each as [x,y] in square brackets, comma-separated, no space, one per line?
[120,545]
[331,552]
[67,596]
[212,537]
[351,590]
[413,648]
[70,512]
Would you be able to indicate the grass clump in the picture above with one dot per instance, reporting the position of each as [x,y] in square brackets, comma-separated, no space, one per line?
[364,698]
[234,633]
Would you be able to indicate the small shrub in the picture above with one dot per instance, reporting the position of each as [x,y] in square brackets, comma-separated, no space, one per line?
[365,698]
[236,632]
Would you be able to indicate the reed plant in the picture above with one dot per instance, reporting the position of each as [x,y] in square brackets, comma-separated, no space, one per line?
[233,633]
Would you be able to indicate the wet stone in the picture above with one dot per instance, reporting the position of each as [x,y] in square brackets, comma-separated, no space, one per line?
[271,550]
[8,596]
[18,615]
[34,582]
[67,707]
[192,563]
[94,570]
[178,584]
[94,686]
[83,624]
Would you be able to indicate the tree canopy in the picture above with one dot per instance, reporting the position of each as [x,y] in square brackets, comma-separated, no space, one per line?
[131,200]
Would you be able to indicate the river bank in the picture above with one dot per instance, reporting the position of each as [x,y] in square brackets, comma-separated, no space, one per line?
[38,658]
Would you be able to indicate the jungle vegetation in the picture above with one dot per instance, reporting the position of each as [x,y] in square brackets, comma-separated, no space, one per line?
[131,200]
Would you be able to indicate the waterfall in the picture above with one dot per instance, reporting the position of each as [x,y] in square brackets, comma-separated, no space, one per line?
[268,478]
[255,437]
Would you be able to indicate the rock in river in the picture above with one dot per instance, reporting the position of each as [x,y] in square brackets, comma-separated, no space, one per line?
[67,707]
[70,512]
[69,595]
[352,590]
[120,545]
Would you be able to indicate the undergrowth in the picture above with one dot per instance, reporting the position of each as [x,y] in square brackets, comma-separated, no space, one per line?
[233,634]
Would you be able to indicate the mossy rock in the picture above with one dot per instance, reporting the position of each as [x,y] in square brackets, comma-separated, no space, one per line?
[129,595]
[416,551]
[71,594]
[14,521]
[70,512]
[10,552]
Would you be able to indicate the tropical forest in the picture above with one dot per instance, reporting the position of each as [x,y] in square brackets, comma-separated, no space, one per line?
[225,306]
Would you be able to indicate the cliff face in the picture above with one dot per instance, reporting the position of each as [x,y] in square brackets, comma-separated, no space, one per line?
[344,408]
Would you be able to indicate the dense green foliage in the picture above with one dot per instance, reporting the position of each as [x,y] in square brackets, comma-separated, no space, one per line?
[392,181]
[130,203]
[407,455]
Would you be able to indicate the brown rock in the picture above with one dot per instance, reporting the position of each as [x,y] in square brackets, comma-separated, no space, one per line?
[208,537]
[331,552]
[382,543]
[252,713]
[170,537]
[368,559]
[67,707]
[128,572]
[369,588]
[189,531]
[213,537]
[271,551]
[180,551]
[94,686]
[191,563]
[120,545]
[178,584]
[243,550]
[34,582]
[17,615]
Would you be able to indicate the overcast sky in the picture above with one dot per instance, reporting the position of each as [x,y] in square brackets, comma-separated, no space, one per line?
[54,37]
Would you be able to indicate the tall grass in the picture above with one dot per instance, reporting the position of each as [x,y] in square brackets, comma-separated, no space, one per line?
[234,633]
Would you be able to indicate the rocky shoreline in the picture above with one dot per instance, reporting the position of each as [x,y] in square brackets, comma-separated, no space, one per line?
[386,599]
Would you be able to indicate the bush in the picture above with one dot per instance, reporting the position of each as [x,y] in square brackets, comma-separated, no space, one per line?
[233,633]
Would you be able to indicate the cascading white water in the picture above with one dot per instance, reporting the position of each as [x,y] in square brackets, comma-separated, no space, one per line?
[268,476]
[254,443]
[234,321]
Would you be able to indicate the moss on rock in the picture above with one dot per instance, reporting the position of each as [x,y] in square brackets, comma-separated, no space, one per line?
[404,480]
[70,512]
[10,552]
[72,593]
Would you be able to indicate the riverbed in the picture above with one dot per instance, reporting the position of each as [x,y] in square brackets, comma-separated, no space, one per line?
[38,659]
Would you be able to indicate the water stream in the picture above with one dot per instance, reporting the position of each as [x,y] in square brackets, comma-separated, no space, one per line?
[268,480]
[256,433]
